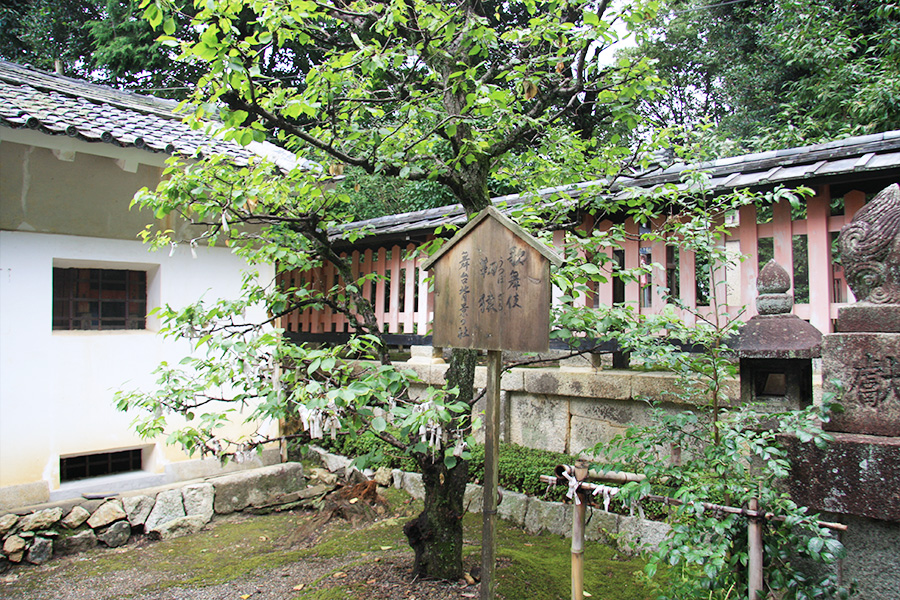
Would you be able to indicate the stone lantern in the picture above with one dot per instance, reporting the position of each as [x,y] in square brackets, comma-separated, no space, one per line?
[776,347]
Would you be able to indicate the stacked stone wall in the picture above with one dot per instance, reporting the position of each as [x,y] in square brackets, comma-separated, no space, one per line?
[37,534]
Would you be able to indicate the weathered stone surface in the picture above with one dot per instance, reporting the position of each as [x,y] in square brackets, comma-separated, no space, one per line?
[873,318]
[655,386]
[383,476]
[354,476]
[25,494]
[601,525]
[13,547]
[76,517]
[585,433]
[513,507]
[854,474]
[777,336]
[586,384]
[138,508]
[116,534]
[42,519]
[7,522]
[168,507]
[773,279]
[872,561]
[109,512]
[40,551]
[639,535]
[198,500]
[868,365]
[473,498]
[412,483]
[79,542]
[259,487]
[333,462]
[397,477]
[553,517]
[537,421]
[180,527]
[599,420]
[322,476]
[870,249]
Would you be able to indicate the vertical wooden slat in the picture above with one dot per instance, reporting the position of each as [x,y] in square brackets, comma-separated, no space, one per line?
[720,279]
[605,289]
[853,202]
[749,268]
[587,226]
[559,242]
[294,282]
[303,279]
[317,282]
[658,281]
[367,270]
[632,261]
[327,314]
[409,296]
[687,284]
[395,283]
[819,242]
[425,303]
[354,271]
[340,319]
[783,236]
[380,268]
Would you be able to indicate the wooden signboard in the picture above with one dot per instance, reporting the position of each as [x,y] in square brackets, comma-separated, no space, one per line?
[492,292]
[492,287]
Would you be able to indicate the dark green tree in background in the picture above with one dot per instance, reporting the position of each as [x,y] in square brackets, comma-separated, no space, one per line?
[777,73]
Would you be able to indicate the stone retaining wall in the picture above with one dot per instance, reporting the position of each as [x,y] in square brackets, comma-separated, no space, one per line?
[36,534]
[628,534]
[575,407]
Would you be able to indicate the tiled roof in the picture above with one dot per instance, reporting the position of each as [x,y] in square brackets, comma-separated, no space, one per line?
[849,161]
[58,105]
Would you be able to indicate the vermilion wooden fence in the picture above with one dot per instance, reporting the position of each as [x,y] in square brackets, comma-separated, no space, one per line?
[404,305]
[397,288]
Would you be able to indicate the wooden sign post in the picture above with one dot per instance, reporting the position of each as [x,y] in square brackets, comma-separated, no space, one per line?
[492,292]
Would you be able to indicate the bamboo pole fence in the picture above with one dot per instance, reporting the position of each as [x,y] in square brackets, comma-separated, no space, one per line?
[582,489]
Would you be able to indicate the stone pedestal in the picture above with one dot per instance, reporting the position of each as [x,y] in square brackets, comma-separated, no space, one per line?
[867,367]
[853,475]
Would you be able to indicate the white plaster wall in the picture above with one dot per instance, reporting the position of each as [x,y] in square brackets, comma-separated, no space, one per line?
[56,388]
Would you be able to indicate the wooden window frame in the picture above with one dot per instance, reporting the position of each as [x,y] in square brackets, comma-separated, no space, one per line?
[96,299]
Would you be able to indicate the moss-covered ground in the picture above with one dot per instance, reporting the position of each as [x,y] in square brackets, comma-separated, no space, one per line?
[266,548]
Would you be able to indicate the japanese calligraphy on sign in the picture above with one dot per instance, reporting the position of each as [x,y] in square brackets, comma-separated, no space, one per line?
[492,287]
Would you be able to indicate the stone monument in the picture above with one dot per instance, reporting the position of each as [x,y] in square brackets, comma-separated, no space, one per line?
[863,354]
[857,475]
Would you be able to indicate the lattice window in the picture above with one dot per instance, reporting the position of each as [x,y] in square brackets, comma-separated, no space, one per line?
[102,463]
[99,299]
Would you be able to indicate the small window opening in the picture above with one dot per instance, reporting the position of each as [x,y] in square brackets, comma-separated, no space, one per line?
[99,299]
[73,468]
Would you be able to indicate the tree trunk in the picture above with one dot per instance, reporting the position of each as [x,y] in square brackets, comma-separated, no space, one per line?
[436,534]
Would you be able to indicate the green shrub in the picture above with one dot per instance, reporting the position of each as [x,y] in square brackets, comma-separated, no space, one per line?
[519,470]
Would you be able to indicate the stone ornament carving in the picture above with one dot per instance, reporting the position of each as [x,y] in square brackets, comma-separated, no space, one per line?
[772,284]
[870,249]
